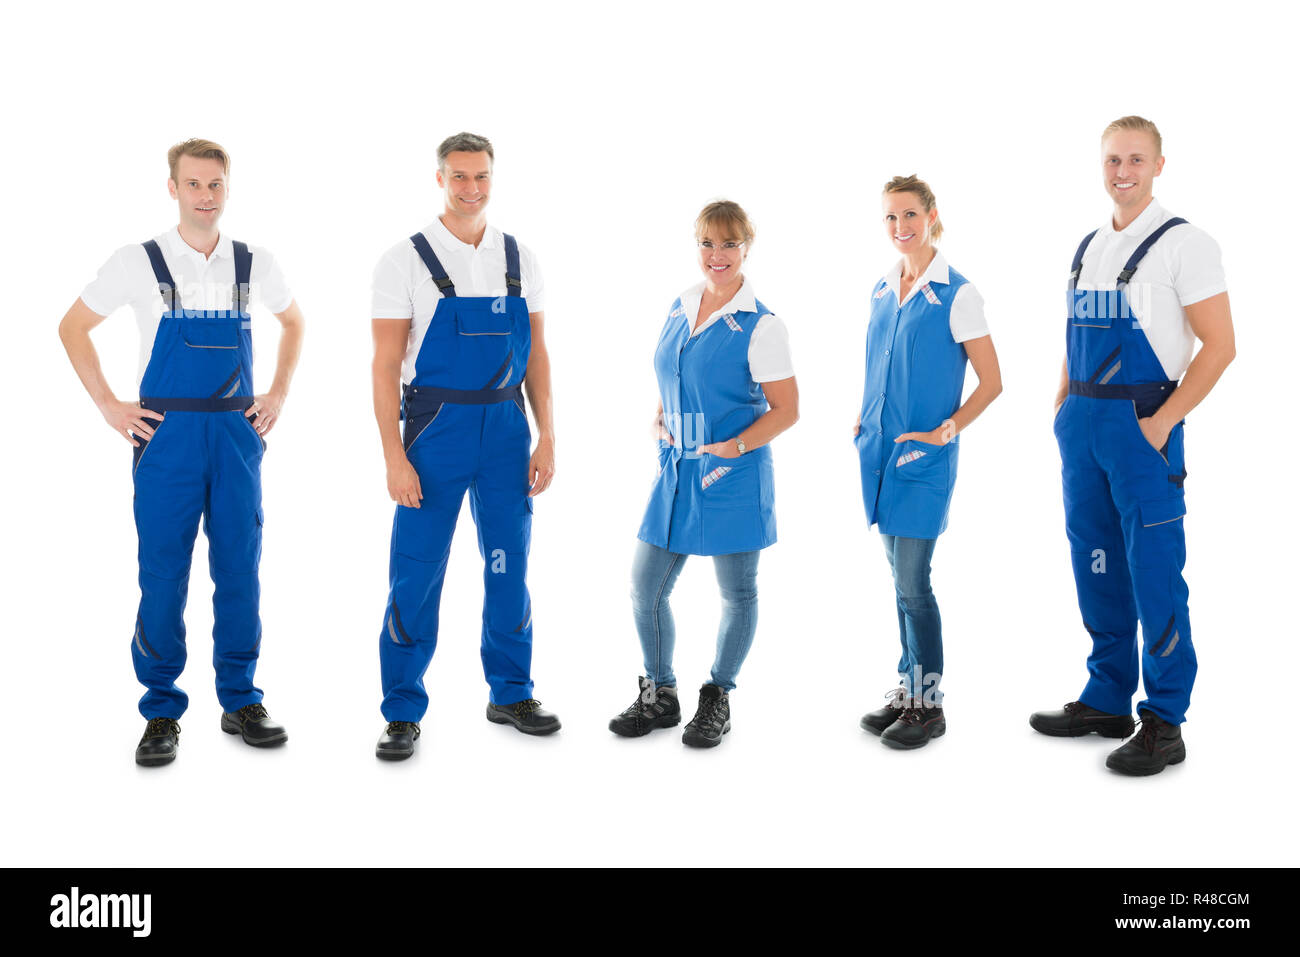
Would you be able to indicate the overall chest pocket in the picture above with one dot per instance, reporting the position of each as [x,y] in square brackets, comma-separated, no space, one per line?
[483,322]
[1095,308]
[210,333]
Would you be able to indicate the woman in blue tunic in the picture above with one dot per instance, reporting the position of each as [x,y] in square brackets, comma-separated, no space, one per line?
[726,386]
[926,321]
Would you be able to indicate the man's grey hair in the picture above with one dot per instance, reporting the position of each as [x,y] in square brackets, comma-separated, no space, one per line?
[463,143]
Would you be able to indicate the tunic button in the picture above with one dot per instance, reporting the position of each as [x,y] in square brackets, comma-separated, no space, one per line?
[886,352]
[877,471]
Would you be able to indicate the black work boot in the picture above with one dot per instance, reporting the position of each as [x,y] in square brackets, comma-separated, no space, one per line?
[1077,719]
[880,719]
[255,726]
[161,741]
[914,728]
[653,708]
[526,715]
[398,741]
[712,719]
[1157,744]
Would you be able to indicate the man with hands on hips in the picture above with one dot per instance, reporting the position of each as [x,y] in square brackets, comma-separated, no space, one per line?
[198,435]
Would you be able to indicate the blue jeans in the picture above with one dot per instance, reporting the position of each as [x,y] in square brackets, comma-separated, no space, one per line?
[654,572]
[919,629]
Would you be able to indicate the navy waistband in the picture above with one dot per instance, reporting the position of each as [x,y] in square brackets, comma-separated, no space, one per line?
[421,399]
[235,403]
[1141,391]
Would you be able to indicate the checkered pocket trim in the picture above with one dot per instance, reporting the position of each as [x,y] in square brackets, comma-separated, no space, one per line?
[713,476]
[911,456]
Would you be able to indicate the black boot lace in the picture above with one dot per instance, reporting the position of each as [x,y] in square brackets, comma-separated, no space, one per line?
[161,727]
[526,707]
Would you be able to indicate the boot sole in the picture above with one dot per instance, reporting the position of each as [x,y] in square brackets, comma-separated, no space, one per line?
[901,746]
[390,755]
[154,760]
[1147,771]
[1052,732]
[694,739]
[497,718]
[656,724]
[263,743]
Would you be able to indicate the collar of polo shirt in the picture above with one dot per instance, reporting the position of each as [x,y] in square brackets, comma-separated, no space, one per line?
[1145,222]
[225,247]
[437,231]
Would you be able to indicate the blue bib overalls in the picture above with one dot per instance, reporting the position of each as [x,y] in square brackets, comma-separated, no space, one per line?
[705,504]
[1124,502]
[465,429]
[204,460]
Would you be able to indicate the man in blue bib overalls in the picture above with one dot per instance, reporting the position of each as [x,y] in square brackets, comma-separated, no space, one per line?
[457,321]
[198,435]
[1142,289]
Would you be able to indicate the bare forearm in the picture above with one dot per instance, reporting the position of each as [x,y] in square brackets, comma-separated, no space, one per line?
[1202,374]
[978,401]
[768,426]
[387,380]
[291,336]
[85,361]
[537,385]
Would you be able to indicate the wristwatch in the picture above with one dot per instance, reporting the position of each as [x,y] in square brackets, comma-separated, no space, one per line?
[740,445]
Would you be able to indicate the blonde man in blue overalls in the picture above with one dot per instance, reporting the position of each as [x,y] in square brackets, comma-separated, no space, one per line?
[1143,287]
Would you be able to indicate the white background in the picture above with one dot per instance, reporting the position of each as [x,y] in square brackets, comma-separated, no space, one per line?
[612,126]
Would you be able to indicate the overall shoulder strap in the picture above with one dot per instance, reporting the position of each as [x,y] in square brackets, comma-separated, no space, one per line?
[243,274]
[514,284]
[1077,265]
[440,277]
[1144,247]
[166,285]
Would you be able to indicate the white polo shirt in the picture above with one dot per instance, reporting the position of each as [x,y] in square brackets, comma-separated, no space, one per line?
[966,317]
[403,289]
[202,282]
[1183,267]
[769,344]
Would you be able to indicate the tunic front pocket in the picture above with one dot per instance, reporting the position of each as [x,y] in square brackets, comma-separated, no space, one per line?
[924,464]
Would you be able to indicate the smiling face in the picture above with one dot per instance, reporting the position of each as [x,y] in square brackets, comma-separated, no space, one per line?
[200,190]
[719,264]
[1130,162]
[907,224]
[466,181]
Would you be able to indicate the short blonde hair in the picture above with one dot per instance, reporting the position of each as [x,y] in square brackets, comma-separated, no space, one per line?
[726,216]
[1137,123]
[200,149]
[914,184]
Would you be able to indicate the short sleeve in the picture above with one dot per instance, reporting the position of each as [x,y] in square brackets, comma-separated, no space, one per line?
[530,276]
[390,292]
[269,286]
[111,287]
[966,317]
[1197,268]
[769,351]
